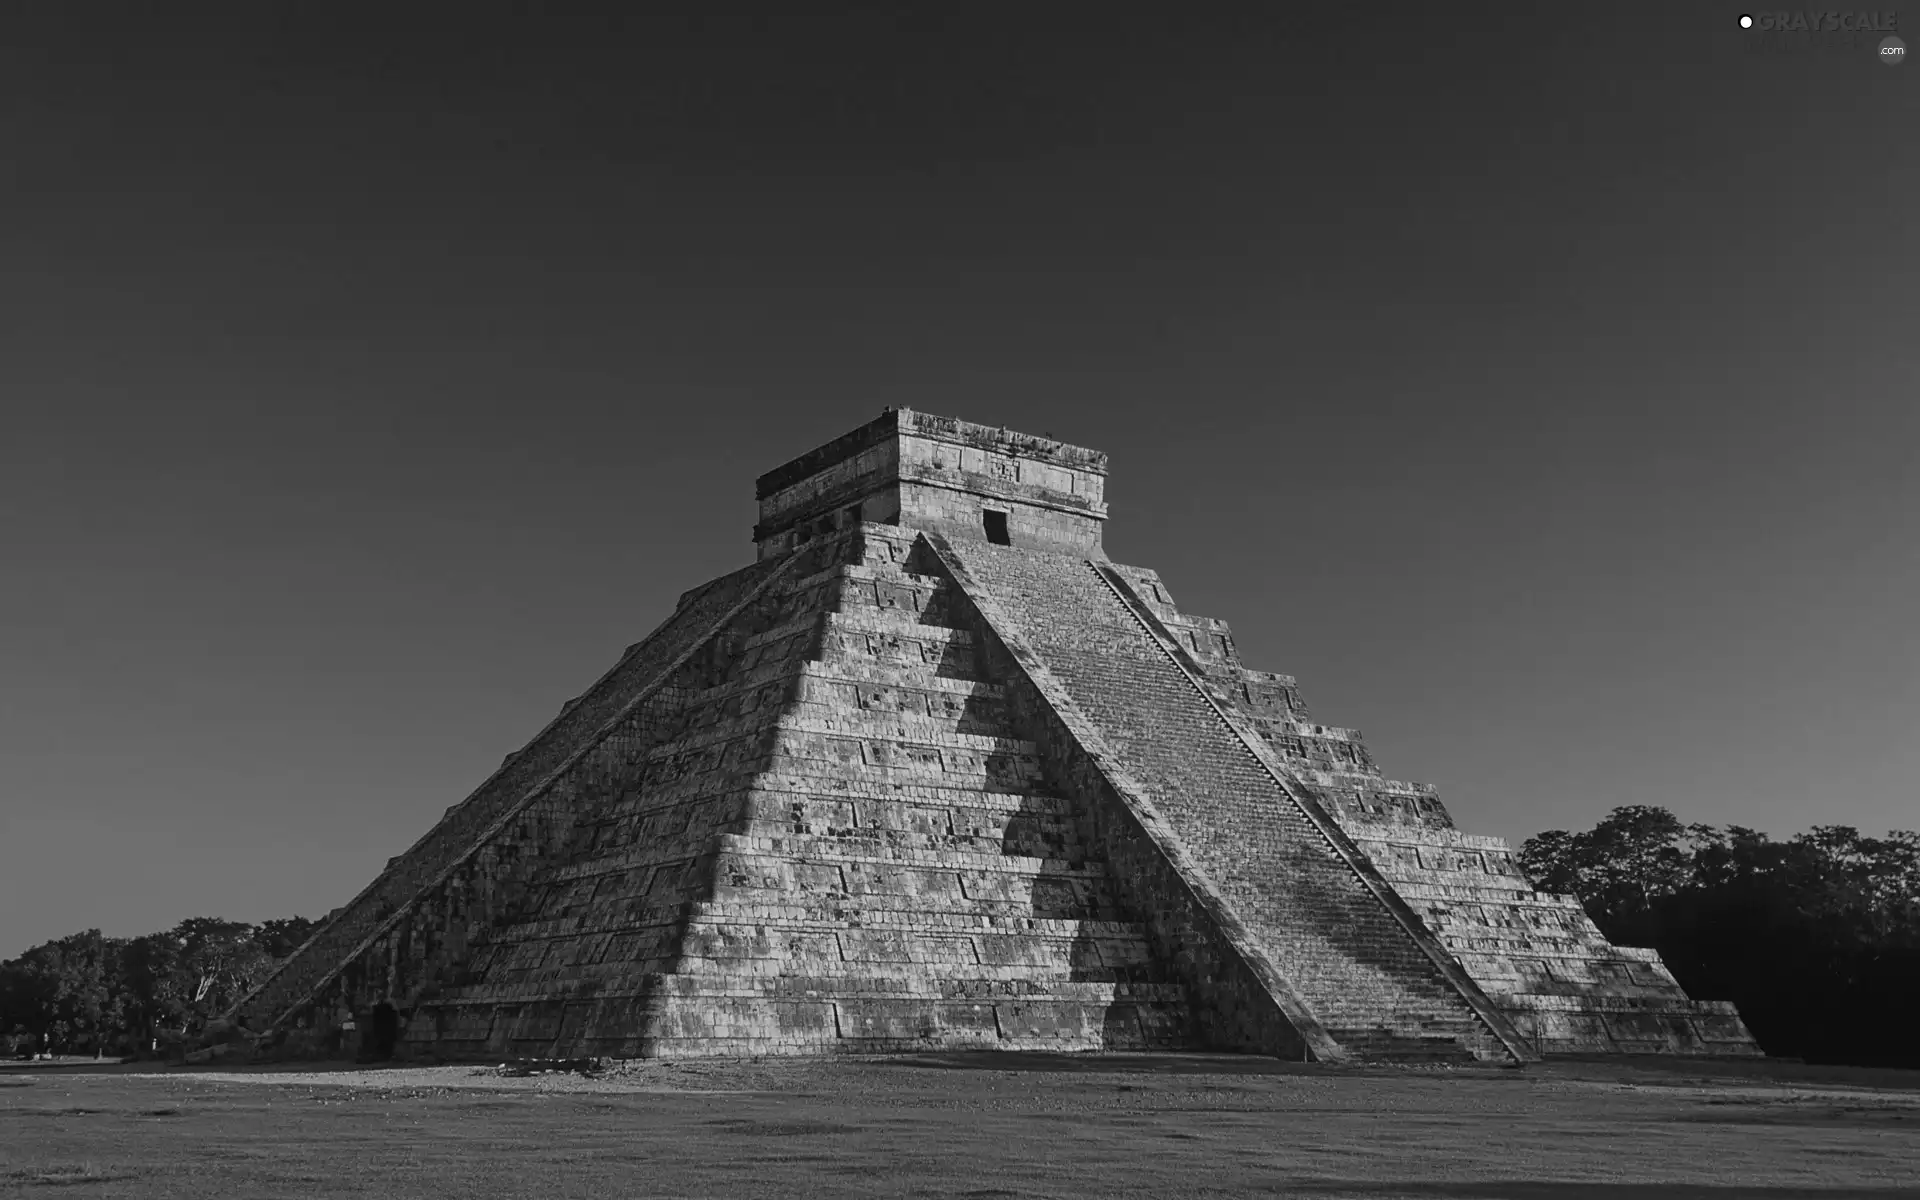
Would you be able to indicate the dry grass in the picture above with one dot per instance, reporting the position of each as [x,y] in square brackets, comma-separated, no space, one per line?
[967,1125]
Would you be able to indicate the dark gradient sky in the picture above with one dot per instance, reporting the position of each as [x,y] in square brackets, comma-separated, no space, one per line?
[1541,389]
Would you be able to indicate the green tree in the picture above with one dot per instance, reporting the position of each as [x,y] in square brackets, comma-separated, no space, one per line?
[1621,868]
[219,962]
[157,986]
[1816,939]
[87,992]
[281,936]
[62,992]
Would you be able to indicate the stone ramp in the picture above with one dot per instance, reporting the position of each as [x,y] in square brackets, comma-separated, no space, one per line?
[1368,974]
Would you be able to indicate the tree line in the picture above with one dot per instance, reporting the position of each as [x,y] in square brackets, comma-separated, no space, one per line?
[1815,939]
[90,994]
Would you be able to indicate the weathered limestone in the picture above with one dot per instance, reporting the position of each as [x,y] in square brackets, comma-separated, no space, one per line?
[934,773]
[1536,955]
[940,475]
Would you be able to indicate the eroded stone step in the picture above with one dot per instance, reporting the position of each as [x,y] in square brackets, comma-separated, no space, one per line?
[768,851]
[881,760]
[799,720]
[838,788]
[1514,933]
[1397,1049]
[627,838]
[924,600]
[871,690]
[840,819]
[836,777]
[644,908]
[857,637]
[859,672]
[1071,916]
[857,972]
[984,899]
[1590,1003]
[906,983]
[836,799]
[754,1026]
[1058,845]
[899,754]
[1488,890]
[898,713]
[548,950]
[921,676]
[894,729]
[664,839]
[612,859]
[915,836]
[714,937]
[1478,941]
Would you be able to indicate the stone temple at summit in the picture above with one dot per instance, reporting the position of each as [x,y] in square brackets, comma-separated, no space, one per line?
[933,773]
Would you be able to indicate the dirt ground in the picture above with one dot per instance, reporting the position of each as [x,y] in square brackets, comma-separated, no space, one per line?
[979,1125]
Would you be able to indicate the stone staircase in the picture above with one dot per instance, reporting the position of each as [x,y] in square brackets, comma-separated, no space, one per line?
[846,850]
[1537,957]
[1360,969]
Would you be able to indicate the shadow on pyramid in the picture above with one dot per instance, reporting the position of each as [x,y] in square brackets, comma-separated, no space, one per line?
[934,774]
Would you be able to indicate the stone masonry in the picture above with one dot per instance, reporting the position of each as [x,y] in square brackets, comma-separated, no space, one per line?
[934,773]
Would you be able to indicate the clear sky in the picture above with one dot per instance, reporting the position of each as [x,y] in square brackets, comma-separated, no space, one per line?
[1541,389]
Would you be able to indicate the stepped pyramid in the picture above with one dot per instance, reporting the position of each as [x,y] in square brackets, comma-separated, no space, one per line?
[932,772]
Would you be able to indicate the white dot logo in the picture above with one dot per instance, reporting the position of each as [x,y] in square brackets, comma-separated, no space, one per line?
[1746,22]
[1893,52]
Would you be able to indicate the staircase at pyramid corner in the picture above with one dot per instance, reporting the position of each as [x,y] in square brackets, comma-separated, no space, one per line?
[1351,968]
[932,773]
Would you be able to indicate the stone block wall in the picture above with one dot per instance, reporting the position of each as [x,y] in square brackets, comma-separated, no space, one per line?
[962,514]
[935,473]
